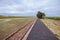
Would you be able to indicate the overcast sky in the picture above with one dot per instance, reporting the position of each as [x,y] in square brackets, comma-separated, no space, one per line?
[29,7]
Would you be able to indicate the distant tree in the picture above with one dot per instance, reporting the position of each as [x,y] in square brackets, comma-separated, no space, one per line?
[40,14]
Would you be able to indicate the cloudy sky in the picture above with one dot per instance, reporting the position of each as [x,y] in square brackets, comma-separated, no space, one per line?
[29,7]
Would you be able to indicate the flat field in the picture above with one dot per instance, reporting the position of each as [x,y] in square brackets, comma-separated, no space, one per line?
[53,25]
[10,25]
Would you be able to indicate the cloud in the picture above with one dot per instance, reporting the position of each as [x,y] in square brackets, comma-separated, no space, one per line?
[29,6]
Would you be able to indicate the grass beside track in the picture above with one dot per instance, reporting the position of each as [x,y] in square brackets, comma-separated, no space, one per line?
[53,25]
[9,27]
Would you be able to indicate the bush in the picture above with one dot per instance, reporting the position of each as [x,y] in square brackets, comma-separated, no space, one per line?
[40,14]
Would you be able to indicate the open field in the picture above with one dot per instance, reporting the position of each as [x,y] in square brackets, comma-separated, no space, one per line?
[53,25]
[55,18]
[8,26]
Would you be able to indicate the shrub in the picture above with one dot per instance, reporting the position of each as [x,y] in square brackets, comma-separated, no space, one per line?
[40,14]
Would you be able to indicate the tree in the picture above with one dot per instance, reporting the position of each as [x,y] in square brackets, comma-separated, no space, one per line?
[40,14]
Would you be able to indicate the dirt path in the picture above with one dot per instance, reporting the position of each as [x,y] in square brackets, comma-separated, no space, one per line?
[19,34]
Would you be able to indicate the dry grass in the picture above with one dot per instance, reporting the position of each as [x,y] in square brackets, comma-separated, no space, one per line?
[53,25]
[9,27]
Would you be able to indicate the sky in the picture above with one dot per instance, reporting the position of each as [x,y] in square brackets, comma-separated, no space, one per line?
[29,7]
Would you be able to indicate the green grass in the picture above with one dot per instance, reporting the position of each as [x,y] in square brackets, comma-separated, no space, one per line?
[55,18]
[12,16]
[16,17]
